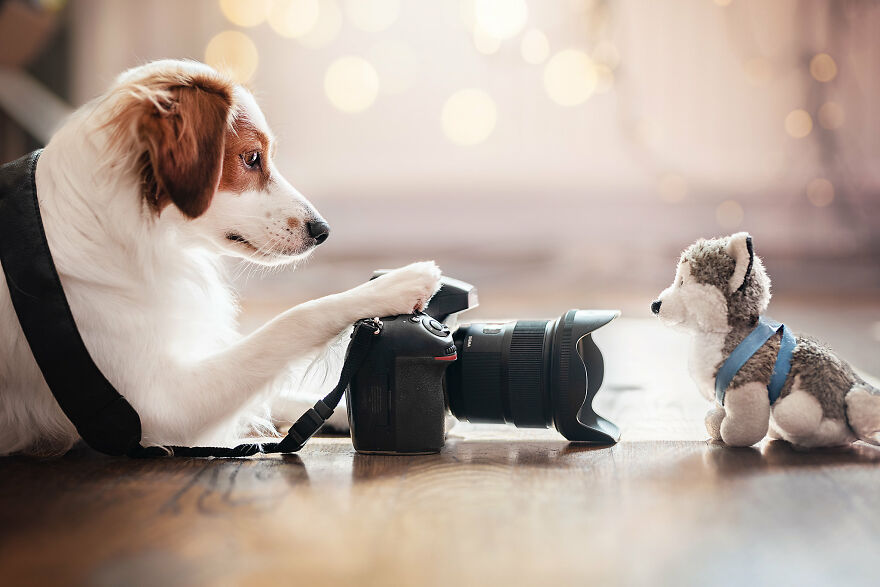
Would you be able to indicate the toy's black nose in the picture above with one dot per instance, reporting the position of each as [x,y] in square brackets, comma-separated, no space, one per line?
[655,306]
[318,230]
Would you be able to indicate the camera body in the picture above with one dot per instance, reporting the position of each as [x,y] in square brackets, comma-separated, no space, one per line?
[396,401]
[530,373]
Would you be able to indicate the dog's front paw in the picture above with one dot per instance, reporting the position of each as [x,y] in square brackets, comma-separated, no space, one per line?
[405,290]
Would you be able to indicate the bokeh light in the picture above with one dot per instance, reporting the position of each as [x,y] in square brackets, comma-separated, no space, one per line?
[729,214]
[570,77]
[486,43]
[535,47]
[293,18]
[397,65]
[823,68]
[798,123]
[245,13]
[468,117]
[820,192]
[372,16]
[758,71]
[673,188]
[351,84]
[327,27]
[831,116]
[234,53]
[501,19]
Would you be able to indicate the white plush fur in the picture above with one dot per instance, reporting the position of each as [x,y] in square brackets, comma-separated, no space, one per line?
[153,305]
[863,410]
[739,250]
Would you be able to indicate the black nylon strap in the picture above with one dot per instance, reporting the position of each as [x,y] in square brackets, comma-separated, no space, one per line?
[102,417]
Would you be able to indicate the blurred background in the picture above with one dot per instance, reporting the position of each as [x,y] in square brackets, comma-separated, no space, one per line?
[557,153]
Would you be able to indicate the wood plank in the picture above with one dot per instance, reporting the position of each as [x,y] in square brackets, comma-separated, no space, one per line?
[497,505]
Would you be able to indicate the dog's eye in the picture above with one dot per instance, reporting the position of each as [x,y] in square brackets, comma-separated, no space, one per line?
[252,160]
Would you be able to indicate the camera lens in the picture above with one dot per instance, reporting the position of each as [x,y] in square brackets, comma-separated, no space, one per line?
[533,374]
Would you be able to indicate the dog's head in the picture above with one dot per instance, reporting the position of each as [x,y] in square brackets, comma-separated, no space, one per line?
[203,153]
[719,282]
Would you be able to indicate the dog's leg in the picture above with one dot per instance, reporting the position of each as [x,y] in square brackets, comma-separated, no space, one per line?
[209,392]
[746,415]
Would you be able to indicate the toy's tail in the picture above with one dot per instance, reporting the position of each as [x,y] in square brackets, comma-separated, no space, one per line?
[863,412]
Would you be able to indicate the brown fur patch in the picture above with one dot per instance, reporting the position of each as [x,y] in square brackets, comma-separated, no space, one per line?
[178,122]
[242,138]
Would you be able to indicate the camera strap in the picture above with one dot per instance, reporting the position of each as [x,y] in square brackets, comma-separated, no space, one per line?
[102,417]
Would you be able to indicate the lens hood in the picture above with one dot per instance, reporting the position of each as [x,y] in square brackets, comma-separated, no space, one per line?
[577,371]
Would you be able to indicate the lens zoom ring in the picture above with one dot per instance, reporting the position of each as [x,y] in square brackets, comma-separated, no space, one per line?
[526,374]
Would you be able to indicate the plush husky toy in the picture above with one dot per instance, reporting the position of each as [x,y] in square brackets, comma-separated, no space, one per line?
[759,374]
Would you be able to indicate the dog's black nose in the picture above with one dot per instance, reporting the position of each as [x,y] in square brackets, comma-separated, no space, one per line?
[318,230]
[655,306]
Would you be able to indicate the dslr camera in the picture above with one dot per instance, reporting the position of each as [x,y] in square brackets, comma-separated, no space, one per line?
[530,373]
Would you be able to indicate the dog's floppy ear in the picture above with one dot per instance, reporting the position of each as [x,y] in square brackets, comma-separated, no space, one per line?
[741,249]
[185,141]
[176,121]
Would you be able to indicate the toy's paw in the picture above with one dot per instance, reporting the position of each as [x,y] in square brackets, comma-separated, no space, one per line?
[714,417]
[407,289]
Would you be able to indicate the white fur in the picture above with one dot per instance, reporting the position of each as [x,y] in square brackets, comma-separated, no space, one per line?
[739,250]
[746,415]
[153,306]
[863,413]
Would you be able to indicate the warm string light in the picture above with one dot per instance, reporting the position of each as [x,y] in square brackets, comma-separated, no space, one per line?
[233,52]
[570,77]
[468,116]
[820,192]
[535,47]
[501,19]
[822,68]
[351,84]
[245,13]
[798,123]
[293,18]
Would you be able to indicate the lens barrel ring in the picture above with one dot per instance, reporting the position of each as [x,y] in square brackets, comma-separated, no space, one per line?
[527,374]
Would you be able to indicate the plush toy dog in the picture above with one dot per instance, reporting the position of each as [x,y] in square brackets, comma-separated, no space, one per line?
[759,374]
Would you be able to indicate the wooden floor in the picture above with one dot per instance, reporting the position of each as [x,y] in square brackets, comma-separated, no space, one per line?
[498,506]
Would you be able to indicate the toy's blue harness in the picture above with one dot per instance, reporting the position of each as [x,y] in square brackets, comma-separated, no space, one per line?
[763,332]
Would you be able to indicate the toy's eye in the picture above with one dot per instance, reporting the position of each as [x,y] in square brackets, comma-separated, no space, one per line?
[252,160]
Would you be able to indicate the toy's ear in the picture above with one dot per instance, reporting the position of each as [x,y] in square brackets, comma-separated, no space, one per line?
[740,248]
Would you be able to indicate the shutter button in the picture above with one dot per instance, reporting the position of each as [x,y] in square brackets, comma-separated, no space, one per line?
[435,327]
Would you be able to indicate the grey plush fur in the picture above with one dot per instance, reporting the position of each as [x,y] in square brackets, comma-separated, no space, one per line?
[821,373]
[815,369]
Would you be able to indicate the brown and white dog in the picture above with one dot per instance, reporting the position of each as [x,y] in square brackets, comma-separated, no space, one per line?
[141,192]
